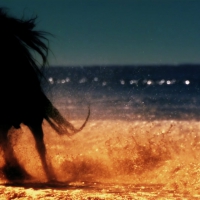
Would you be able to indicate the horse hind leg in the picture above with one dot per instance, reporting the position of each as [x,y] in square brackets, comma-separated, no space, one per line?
[12,169]
[40,146]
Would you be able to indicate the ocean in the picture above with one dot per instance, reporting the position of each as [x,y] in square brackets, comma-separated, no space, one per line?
[126,92]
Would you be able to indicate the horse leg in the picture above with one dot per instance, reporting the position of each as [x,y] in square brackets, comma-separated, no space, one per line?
[12,169]
[40,146]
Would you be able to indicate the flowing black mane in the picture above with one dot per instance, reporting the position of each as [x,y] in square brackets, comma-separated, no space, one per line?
[22,33]
[22,98]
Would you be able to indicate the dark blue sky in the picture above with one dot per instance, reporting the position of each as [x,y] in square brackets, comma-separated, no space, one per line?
[91,32]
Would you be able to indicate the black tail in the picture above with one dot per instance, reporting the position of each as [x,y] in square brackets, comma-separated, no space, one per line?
[58,122]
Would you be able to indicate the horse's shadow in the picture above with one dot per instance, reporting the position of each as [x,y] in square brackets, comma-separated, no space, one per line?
[21,97]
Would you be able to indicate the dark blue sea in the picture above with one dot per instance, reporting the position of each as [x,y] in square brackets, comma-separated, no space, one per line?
[126,92]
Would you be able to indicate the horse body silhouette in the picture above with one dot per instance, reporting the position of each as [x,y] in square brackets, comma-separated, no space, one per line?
[21,97]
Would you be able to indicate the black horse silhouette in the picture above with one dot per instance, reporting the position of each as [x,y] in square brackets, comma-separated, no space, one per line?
[21,97]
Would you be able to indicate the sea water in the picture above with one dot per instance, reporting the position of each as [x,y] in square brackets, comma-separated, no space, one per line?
[127,92]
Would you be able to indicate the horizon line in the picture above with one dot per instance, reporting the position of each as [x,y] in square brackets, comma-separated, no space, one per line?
[128,65]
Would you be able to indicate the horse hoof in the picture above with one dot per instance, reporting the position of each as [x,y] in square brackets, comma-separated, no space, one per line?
[15,173]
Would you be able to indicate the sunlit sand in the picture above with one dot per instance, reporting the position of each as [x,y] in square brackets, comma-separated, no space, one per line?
[112,159]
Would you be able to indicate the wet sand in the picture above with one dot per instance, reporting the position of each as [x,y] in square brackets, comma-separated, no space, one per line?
[112,159]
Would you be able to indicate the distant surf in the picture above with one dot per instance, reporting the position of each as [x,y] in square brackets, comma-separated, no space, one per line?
[127,92]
